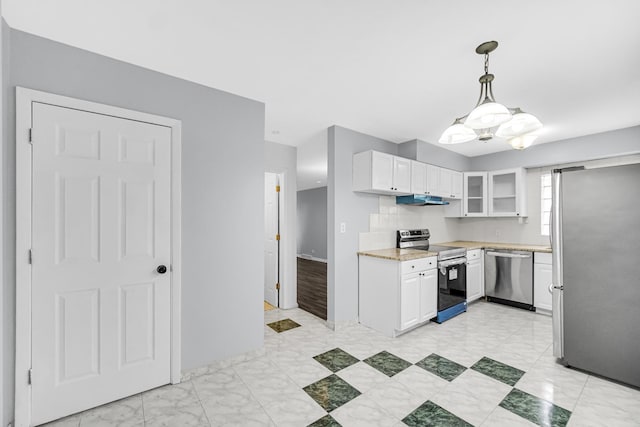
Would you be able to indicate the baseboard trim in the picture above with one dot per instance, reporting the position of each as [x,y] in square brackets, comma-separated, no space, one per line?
[342,324]
[189,374]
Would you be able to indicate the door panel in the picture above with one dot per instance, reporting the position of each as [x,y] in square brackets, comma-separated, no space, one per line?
[77,232]
[402,174]
[77,320]
[381,171]
[101,226]
[409,300]
[428,295]
[137,322]
[136,225]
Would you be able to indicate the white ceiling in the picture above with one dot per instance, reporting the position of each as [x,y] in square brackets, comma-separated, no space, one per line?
[396,69]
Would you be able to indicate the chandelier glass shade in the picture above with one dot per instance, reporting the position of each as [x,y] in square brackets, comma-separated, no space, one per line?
[490,118]
[457,133]
[487,115]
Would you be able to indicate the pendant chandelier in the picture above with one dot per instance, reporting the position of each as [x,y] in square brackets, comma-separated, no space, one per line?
[490,118]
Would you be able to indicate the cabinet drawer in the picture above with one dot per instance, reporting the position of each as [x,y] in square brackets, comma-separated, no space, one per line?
[542,258]
[419,264]
[474,254]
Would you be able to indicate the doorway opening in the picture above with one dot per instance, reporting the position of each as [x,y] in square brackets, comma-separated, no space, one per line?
[272,218]
[312,251]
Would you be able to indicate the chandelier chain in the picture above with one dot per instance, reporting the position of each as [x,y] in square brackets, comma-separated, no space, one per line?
[486,63]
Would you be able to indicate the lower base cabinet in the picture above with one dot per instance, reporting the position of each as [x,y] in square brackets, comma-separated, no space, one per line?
[542,281]
[418,298]
[475,274]
[396,296]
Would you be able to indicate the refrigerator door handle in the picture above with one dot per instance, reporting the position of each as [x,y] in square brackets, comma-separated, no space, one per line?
[556,288]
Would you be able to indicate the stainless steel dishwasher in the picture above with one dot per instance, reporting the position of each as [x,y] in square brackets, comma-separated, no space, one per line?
[508,277]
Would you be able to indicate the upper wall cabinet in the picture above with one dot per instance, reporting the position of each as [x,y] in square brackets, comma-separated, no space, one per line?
[456,185]
[475,194]
[444,182]
[381,173]
[418,177]
[507,192]
[435,181]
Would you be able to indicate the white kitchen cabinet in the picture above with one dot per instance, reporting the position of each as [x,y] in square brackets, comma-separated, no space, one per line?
[542,281]
[395,296]
[475,274]
[456,185]
[507,192]
[475,194]
[428,295]
[450,184]
[433,180]
[445,182]
[409,300]
[381,173]
[418,177]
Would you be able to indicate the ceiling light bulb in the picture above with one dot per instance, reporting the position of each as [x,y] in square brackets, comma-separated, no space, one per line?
[521,123]
[522,141]
[457,133]
[487,115]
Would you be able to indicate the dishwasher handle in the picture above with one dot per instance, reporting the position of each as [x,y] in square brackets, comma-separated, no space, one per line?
[507,255]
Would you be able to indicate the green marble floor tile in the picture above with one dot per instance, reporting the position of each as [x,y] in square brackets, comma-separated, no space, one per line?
[441,366]
[283,325]
[536,410]
[429,414]
[336,359]
[326,421]
[331,392]
[498,370]
[387,363]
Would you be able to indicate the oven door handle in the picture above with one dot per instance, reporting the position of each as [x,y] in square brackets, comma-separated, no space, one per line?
[507,255]
[452,262]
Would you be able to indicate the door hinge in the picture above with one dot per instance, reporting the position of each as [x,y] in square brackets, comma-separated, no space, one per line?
[30,256]
[30,376]
[277,188]
[278,286]
[278,237]
[31,135]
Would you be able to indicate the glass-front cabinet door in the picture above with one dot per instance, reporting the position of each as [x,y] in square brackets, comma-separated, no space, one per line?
[475,194]
[506,192]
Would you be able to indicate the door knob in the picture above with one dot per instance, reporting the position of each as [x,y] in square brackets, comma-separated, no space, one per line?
[161,269]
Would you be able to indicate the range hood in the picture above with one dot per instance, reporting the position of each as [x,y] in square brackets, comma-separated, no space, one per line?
[420,200]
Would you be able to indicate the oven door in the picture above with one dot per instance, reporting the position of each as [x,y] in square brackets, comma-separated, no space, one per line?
[452,282]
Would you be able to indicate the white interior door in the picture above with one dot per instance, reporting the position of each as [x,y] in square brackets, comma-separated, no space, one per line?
[101,229]
[271,218]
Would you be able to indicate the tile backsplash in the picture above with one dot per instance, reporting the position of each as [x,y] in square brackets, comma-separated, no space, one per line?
[391,217]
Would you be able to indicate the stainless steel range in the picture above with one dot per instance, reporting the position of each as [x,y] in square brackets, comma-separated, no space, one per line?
[452,275]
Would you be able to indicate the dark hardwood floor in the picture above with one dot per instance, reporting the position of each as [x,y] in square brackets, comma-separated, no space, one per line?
[312,287]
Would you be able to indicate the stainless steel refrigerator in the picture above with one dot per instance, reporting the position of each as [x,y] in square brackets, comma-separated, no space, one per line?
[595,239]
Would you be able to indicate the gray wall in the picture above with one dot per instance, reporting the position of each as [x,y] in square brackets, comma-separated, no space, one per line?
[282,159]
[353,209]
[312,222]
[433,154]
[590,147]
[223,176]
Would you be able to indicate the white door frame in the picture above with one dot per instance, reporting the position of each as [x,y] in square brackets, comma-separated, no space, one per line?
[24,99]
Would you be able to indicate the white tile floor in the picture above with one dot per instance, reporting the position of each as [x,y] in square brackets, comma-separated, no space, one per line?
[267,389]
